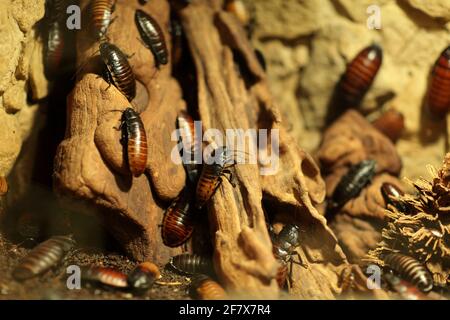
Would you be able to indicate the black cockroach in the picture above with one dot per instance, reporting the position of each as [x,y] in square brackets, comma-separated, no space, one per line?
[104,276]
[410,269]
[351,184]
[212,174]
[53,49]
[3,186]
[406,290]
[284,245]
[143,276]
[178,221]
[152,36]
[43,257]
[359,75]
[135,140]
[205,288]
[439,90]
[392,195]
[391,123]
[191,144]
[101,15]
[191,264]
[118,70]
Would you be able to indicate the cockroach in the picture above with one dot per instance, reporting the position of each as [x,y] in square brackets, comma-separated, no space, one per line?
[118,70]
[438,99]
[152,36]
[359,75]
[391,124]
[143,276]
[351,184]
[43,257]
[346,279]
[284,245]
[178,221]
[104,276]
[211,176]
[191,264]
[191,144]
[406,290]
[54,50]
[3,186]
[411,270]
[135,139]
[205,288]
[392,195]
[101,16]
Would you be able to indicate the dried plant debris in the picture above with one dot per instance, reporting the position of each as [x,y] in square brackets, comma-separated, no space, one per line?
[423,232]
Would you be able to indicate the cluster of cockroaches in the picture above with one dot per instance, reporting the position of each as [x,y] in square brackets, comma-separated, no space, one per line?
[354,84]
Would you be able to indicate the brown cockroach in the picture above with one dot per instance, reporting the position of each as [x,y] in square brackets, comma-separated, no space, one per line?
[212,174]
[351,184]
[178,221]
[205,288]
[101,16]
[405,289]
[43,257]
[411,270]
[191,264]
[118,70]
[152,36]
[392,195]
[143,276]
[104,276]
[3,186]
[359,75]
[191,144]
[438,99]
[391,123]
[134,139]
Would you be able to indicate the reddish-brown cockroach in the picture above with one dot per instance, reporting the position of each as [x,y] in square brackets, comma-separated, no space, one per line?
[205,288]
[178,221]
[391,123]
[118,70]
[104,276]
[351,184]
[101,16]
[43,257]
[191,264]
[212,174]
[134,139]
[410,269]
[392,195]
[143,276]
[152,36]
[191,144]
[3,186]
[359,75]
[439,90]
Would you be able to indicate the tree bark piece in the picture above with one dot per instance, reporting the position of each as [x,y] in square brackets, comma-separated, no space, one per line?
[90,163]
[237,96]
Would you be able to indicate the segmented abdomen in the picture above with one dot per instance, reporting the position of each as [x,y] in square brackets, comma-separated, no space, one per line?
[439,91]
[411,270]
[178,225]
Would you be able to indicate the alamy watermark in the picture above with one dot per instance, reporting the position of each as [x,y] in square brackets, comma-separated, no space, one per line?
[250,146]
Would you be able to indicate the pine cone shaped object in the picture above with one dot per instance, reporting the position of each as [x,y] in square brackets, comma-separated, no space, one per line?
[423,232]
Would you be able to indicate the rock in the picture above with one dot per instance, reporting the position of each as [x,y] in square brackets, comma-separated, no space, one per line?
[15,97]
[433,8]
[412,36]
